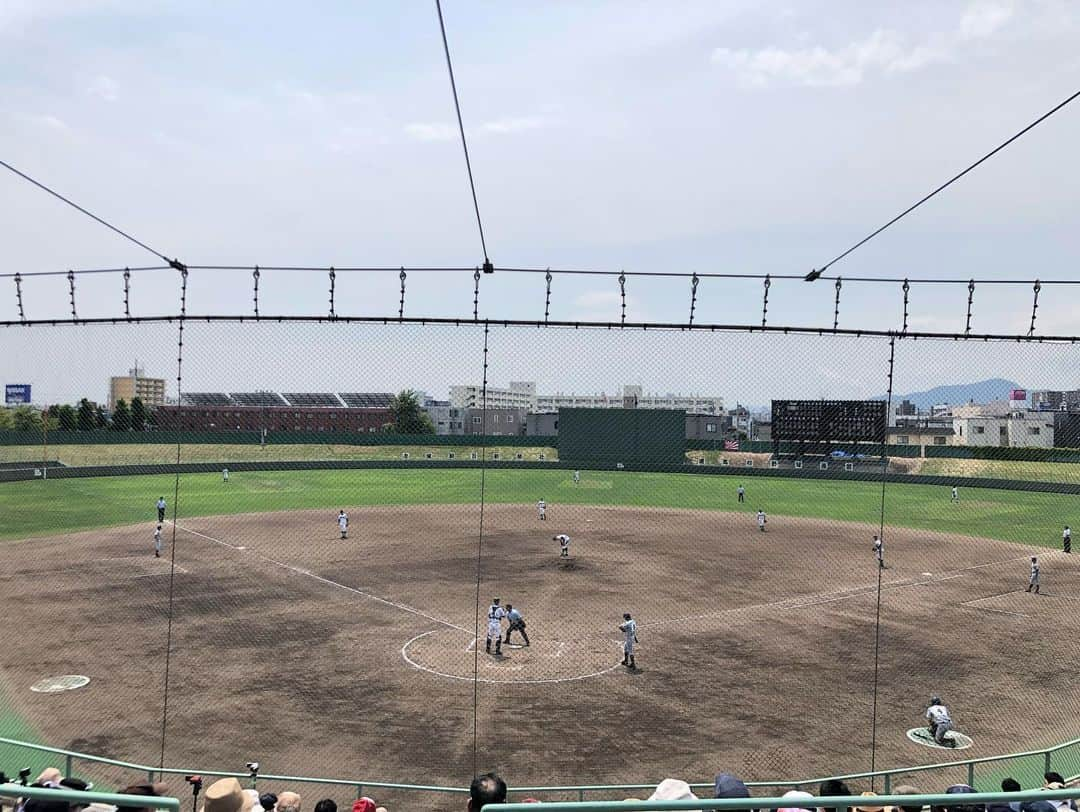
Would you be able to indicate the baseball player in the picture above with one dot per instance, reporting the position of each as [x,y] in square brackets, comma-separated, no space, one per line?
[741,491]
[1033,580]
[564,544]
[629,629]
[940,722]
[577,477]
[161,509]
[157,541]
[224,474]
[761,520]
[343,524]
[541,508]
[1066,539]
[494,629]
[955,494]
[517,623]
[879,551]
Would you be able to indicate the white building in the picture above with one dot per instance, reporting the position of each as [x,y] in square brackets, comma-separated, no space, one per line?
[994,424]
[522,394]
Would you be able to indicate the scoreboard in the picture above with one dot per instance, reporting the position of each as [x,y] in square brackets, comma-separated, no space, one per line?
[829,421]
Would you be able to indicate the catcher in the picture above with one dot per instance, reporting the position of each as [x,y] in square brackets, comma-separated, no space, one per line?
[940,722]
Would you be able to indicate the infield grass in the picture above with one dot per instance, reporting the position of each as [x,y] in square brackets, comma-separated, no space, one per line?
[55,506]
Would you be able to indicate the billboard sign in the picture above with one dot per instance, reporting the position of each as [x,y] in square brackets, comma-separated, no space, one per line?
[1018,394]
[17,393]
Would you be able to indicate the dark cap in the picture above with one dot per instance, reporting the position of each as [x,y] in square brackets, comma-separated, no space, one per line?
[728,786]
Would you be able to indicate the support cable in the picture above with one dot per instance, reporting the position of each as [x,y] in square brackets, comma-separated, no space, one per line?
[480,562]
[816,274]
[18,297]
[765,300]
[1034,306]
[476,295]
[906,288]
[547,298]
[255,280]
[401,303]
[333,276]
[127,293]
[622,295]
[836,306]
[971,298]
[71,294]
[693,297]
[488,268]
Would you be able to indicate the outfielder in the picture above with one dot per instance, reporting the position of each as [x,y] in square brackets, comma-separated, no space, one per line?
[343,524]
[629,629]
[517,623]
[161,509]
[1033,580]
[494,629]
[224,474]
[741,491]
[761,520]
[1066,539]
[879,551]
[564,544]
[541,508]
[940,722]
[157,541]
[577,477]
[955,494]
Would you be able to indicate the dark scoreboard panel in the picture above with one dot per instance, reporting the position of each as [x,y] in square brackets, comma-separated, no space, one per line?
[829,421]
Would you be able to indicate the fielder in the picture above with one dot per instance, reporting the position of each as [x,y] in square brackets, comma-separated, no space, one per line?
[940,722]
[629,629]
[517,623]
[224,474]
[494,628]
[1033,579]
[157,541]
[761,520]
[577,477]
[879,551]
[161,509]
[343,524]
[541,508]
[564,544]
[955,494]
[1066,539]
[742,493]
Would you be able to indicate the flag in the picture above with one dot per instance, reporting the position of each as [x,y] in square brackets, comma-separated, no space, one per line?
[731,445]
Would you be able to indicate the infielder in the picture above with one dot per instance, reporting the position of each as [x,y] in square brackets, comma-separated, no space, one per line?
[1066,539]
[741,491]
[224,474]
[564,544]
[343,524]
[879,551]
[494,629]
[629,629]
[1033,580]
[157,541]
[761,520]
[541,508]
[161,509]
[940,722]
[517,623]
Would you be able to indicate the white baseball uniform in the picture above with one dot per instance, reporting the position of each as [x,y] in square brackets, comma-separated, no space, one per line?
[495,616]
[343,524]
[564,544]
[629,630]
[541,508]
[761,520]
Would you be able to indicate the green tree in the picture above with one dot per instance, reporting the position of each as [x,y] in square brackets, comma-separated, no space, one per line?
[121,416]
[100,420]
[409,416]
[84,416]
[67,419]
[6,420]
[26,418]
[139,414]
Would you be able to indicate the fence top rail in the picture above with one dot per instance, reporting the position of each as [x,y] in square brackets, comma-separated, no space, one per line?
[85,798]
[840,803]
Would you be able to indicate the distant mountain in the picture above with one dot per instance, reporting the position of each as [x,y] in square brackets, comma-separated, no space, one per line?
[958,394]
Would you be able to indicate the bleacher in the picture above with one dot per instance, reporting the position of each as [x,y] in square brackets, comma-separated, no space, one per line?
[205,399]
[366,400]
[319,400]
[258,399]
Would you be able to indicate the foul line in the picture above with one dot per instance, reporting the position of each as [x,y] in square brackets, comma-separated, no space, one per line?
[300,571]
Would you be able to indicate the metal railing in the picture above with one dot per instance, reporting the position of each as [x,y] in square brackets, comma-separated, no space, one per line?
[1038,761]
[84,798]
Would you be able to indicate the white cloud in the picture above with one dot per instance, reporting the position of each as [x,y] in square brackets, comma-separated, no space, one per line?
[884,51]
[606,305]
[512,125]
[430,132]
[983,19]
[104,88]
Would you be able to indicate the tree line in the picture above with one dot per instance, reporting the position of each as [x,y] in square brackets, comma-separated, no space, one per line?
[83,416]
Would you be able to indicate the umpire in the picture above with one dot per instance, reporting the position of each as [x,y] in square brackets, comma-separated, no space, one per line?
[517,623]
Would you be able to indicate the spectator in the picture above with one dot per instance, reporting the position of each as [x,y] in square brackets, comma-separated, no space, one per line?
[363,805]
[1038,806]
[225,795]
[797,795]
[326,805]
[253,799]
[486,789]
[267,801]
[959,789]
[51,777]
[44,805]
[1053,778]
[833,788]
[728,786]
[151,790]
[866,806]
[1008,785]
[907,789]
[288,802]
[672,789]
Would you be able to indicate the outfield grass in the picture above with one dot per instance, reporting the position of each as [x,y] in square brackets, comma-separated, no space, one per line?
[63,505]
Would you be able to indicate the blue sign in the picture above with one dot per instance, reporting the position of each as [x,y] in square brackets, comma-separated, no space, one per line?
[17,393]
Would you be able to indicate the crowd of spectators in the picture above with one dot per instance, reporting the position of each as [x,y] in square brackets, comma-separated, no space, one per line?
[227,795]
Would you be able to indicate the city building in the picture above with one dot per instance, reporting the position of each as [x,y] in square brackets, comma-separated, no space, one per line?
[523,395]
[709,427]
[1056,400]
[270,418]
[926,433]
[542,424]
[996,424]
[520,395]
[494,421]
[136,385]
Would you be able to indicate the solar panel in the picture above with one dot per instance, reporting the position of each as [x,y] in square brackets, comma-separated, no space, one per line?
[315,399]
[205,399]
[366,400]
[258,399]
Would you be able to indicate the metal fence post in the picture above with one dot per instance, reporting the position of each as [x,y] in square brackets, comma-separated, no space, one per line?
[359,791]
[1047,762]
[888,783]
[67,765]
[971,774]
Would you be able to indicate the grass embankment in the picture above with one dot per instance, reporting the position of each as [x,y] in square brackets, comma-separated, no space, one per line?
[64,505]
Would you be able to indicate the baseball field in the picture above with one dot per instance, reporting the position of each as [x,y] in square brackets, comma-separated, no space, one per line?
[357,657]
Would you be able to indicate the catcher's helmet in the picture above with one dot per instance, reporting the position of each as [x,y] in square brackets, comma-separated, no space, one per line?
[935,700]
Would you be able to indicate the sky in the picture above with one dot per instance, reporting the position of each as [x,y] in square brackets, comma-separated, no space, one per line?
[730,137]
